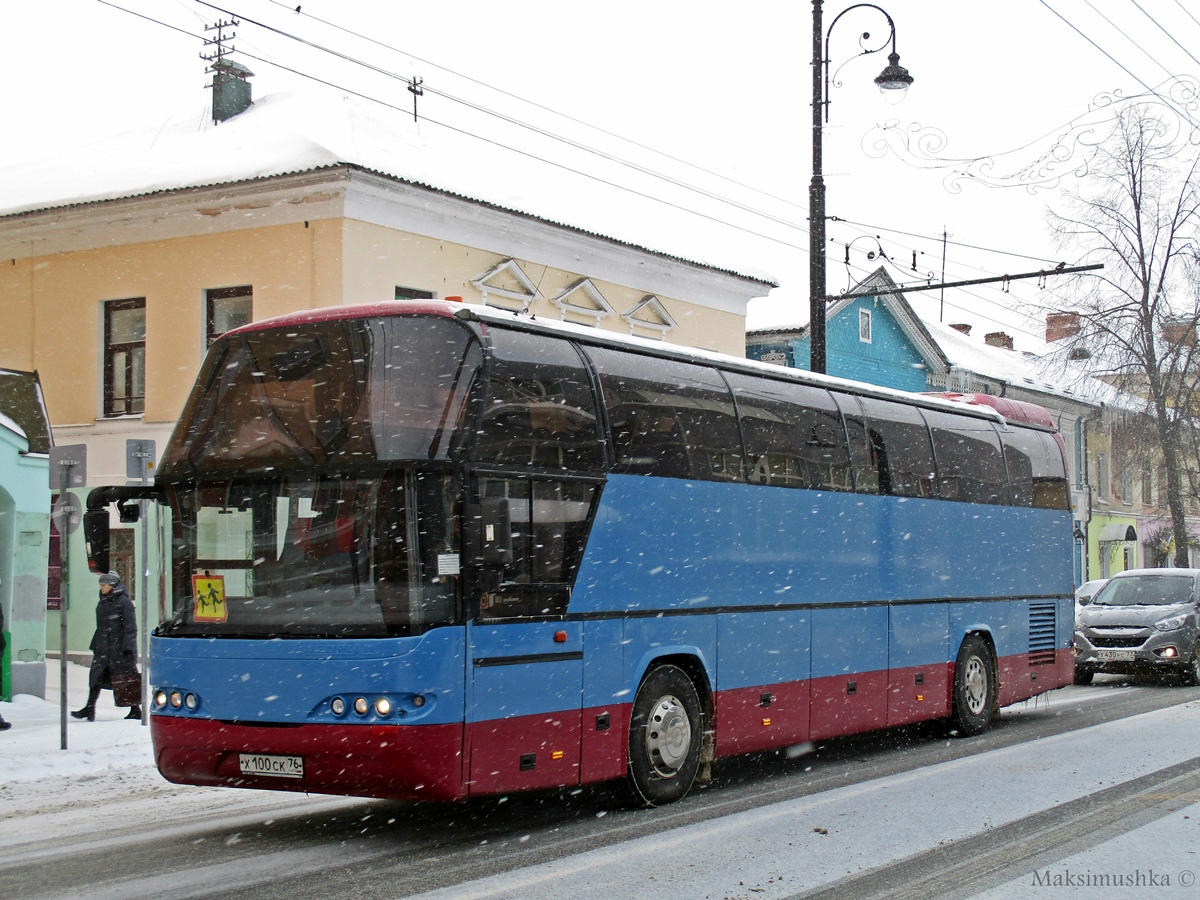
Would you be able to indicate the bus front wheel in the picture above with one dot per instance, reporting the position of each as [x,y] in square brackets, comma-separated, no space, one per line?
[666,733]
[974,686]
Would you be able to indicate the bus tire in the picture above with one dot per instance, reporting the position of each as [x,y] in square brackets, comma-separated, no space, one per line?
[666,734]
[974,686]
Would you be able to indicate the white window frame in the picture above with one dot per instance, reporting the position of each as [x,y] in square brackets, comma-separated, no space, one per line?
[865,326]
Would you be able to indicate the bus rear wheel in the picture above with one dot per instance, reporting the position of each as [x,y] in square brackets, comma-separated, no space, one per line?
[974,686]
[666,733]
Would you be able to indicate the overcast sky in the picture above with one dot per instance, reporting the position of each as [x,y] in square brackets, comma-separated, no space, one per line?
[716,97]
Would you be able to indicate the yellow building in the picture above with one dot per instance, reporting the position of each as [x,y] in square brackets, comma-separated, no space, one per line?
[119,265]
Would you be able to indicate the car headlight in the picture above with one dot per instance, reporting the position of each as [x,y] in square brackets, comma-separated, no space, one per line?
[1172,623]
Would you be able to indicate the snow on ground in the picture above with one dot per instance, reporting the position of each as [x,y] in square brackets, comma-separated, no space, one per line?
[31,749]
[774,850]
[47,792]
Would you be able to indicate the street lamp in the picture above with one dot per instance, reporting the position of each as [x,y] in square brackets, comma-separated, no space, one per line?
[893,82]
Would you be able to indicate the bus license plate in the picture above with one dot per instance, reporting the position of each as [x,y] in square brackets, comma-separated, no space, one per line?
[1118,655]
[274,766]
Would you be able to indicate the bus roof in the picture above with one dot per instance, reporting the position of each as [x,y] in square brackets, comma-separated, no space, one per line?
[1000,409]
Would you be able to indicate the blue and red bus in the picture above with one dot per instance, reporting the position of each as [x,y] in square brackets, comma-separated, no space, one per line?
[429,551]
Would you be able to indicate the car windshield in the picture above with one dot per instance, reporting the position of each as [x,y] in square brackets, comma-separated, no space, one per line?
[1148,590]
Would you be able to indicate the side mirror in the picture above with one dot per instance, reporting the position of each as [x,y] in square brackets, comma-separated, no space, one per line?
[95,535]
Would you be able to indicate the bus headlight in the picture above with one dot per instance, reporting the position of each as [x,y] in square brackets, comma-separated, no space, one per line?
[361,706]
[338,706]
[160,698]
[190,701]
[383,706]
[176,699]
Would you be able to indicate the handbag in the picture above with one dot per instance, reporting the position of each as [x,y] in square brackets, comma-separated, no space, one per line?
[127,687]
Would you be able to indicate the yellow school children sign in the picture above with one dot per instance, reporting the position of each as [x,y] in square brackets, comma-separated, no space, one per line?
[208,594]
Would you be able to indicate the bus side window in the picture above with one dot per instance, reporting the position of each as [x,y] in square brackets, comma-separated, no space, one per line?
[900,444]
[549,522]
[794,435]
[668,418]
[540,411]
[1035,469]
[970,466]
[864,462]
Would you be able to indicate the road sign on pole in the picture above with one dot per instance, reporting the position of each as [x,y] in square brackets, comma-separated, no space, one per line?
[68,469]
[139,464]
[67,513]
[139,459]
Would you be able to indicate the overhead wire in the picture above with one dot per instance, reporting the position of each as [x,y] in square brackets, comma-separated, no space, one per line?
[469,104]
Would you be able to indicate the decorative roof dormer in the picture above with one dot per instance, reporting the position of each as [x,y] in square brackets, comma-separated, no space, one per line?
[505,281]
[581,302]
[649,315]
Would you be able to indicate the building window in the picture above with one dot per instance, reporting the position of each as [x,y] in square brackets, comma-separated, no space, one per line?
[1102,485]
[1147,487]
[1126,484]
[406,293]
[864,325]
[227,309]
[125,357]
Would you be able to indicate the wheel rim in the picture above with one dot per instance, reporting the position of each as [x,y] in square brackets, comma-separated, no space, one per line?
[668,736]
[975,684]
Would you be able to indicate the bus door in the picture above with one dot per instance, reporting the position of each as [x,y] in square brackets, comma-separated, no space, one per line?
[525,660]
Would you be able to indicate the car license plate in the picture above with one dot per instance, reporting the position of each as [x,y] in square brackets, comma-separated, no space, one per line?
[1116,655]
[274,766]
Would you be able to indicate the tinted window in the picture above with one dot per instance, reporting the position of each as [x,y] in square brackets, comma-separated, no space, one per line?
[539,410]
[889,446]
[1036,473]
[794,435]
[327,393]
[970,466]
[549,526]
[669,418]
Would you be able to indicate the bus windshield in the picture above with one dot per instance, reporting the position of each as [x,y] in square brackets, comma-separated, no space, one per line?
[308,556]
[355,391]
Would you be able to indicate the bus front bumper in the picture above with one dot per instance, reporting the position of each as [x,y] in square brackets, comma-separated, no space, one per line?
[398,762]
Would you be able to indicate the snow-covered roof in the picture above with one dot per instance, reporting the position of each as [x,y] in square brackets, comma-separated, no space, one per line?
[23,408]
[6,422]
[305,131]
[1043,370]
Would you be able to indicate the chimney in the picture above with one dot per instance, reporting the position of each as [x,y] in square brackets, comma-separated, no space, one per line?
[963,327]
[231,90]
[998,339]
[1061,325]
[1180,333]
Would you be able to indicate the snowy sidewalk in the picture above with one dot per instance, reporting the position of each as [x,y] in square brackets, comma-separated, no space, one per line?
[31,749]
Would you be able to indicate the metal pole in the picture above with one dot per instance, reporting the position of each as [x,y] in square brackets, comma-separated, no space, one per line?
[816,210]
[65,583]
[145,597]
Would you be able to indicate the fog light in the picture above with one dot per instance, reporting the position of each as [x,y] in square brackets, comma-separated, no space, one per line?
[338,706]
[176,699]
[383,706]
[419,700]
[160,698]
[361,706]
[190,701]
[1169,653]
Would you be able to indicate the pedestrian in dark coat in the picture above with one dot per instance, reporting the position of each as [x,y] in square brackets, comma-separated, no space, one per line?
[114,645]
[4,724]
